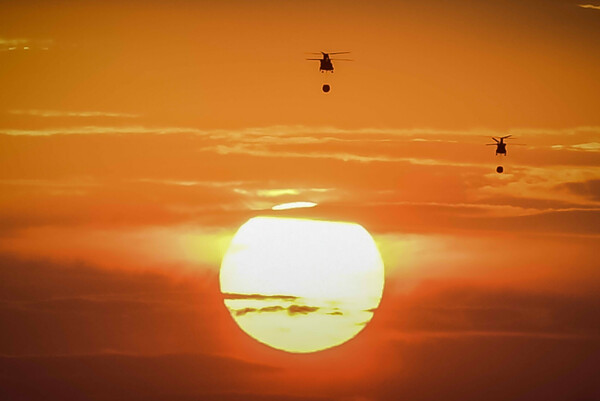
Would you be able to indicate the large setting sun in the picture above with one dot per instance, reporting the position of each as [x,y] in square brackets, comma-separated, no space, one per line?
[299,200]
[301,285]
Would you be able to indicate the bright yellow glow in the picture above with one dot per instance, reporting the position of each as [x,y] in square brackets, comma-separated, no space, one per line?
[294,205]
[301,285]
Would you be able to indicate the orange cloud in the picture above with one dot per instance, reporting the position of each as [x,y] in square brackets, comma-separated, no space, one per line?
[590,6]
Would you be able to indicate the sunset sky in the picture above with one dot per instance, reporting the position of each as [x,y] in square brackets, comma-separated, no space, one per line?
[136,137]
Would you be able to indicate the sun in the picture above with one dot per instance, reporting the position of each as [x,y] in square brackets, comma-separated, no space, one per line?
[301,285]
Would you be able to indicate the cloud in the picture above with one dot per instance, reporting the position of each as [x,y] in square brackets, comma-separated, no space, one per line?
[80,213]
[315,134]
[230,147]
[246,188]
[589,189]
[301,309]
[55,113]
[433,140]
[14,44]
[122,202]
[278,192]
[590,147]
[291,310]
[462,335]
[274,308]
[183,248]
[257,151]
[590,6]
[193,183]
[524,205]
[570,221]
[450,309]
[474,338]
[415,217]
[574,131]
[101,130]
[260,297]
[524,343]
[53,307]
[131,181]
[491,368]
[260,151]
[539,183]
[114,376]
[244,311]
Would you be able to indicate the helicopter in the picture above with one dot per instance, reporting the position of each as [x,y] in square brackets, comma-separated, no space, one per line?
[326,64]
[500,145]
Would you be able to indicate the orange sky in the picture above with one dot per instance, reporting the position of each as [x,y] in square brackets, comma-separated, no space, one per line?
[136,137]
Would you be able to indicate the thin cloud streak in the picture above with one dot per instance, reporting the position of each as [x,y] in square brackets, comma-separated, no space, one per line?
[58,113]
[587,147]
[99,130]
[262,152]
[11,44]
[51,183]
[182,183]
[279,131]
[261,297]
[433,335]
[278,192]
[291,310]
[540,183]
[491,209]
[591,147]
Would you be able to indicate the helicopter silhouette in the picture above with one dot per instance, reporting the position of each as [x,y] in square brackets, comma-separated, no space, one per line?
[326,64]
[500,144]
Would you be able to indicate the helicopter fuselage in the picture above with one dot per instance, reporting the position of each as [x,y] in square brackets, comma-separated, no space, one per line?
[326,64]
[501,148]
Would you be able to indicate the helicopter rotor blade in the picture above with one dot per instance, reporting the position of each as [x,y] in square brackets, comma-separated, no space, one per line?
[507,136]
[339,53]
[341,59]
[495,140]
